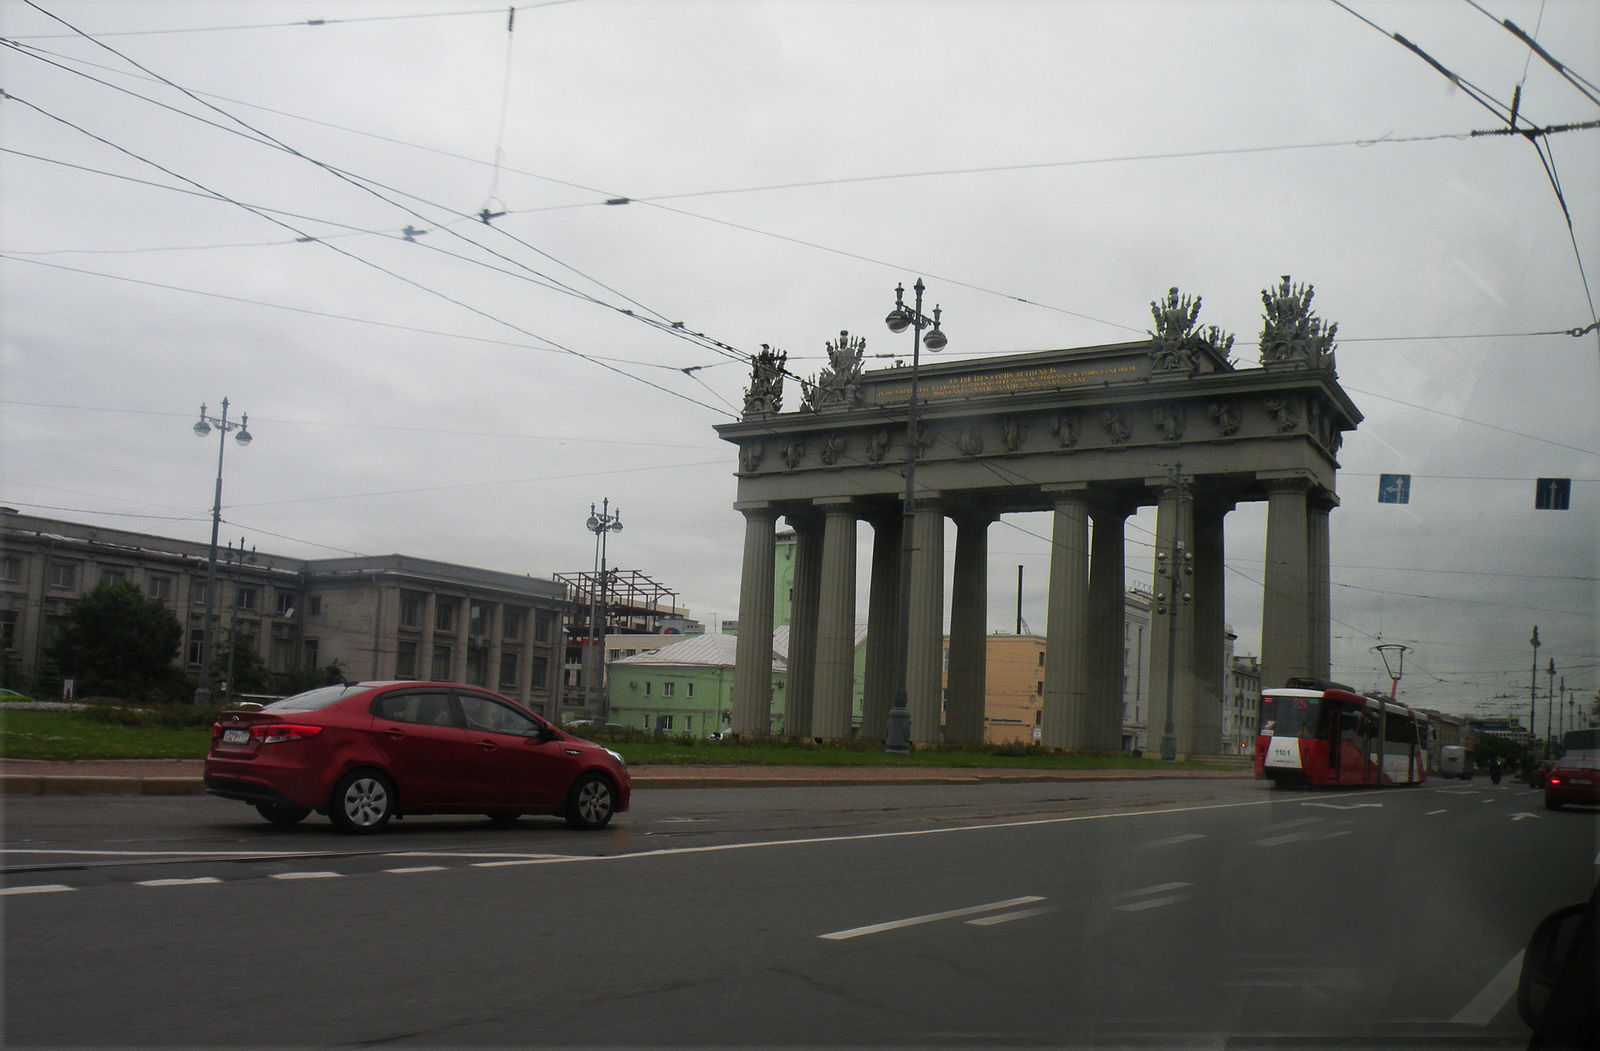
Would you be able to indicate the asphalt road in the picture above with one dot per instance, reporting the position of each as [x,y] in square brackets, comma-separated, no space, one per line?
[1214,913]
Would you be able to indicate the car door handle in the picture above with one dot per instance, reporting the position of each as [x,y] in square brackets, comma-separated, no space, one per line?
[394,732]
[487,746]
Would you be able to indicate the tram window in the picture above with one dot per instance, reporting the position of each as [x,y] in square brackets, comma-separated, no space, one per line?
[1293,717]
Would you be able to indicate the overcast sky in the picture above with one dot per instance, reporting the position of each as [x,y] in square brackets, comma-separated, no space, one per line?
[1047,168]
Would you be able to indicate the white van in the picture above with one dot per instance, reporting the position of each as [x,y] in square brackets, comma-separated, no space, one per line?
[1455,761]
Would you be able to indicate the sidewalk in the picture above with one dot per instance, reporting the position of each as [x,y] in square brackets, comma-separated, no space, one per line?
[168,777]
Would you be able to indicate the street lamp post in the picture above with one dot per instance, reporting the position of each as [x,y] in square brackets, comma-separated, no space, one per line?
[1549,707]
[1173,567]
[601,524]
[202,428]
[1533,692]
[897,732]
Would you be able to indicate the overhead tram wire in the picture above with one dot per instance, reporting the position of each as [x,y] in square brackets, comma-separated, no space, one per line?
[305,23]
[367,185]
[364,262]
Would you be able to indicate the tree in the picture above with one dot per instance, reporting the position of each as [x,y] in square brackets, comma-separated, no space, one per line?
[117,641]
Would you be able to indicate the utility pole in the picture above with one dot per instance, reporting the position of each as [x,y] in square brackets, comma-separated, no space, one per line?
[1533,690]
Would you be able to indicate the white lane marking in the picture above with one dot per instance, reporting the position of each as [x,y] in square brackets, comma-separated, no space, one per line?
[1431,813]
[306,875]
[1159,888]
[1171,840]
[1346,806]
[195,881]
[537,859]
[1278,841]
[1492,997]
[1153,903]
[416,868]
[41,888]
[1293,824]
[1007,917]
[175,853]
[932,917]
[1523,816]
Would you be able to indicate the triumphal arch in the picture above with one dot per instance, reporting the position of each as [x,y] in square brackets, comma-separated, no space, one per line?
[1089,434]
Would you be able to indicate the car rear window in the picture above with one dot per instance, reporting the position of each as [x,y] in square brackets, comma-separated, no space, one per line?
[312,700]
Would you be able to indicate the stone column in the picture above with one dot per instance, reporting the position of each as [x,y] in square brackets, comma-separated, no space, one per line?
[965,692]
[883,626]
[1172,632]
[752,670]
[496,625]
[1066,647]
[836,622]
[1321,613]
[1286,585]
[1107,616]
[1210,626]
[925,640]
[802,657]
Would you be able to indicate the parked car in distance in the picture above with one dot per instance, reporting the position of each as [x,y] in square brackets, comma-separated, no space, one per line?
[1574,779]
[363,753]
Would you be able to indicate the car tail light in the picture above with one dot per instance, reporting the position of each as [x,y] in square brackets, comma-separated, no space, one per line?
[1554,780]
[277,733]
[216,731]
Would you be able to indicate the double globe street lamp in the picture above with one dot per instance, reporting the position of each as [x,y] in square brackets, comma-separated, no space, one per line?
[897,733]
[601,523]
[202,428]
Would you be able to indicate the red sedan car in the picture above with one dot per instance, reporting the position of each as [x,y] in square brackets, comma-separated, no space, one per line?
[1575,779]
[363,753]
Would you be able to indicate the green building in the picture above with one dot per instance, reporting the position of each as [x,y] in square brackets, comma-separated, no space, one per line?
[687,687]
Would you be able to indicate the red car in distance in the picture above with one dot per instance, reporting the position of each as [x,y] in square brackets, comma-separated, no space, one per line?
[363,753]
[1574,779]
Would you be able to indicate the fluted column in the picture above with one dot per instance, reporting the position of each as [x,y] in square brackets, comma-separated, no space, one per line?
[1285,605]
[969,628]
[1107,616]
[836,623]
[1172,632]
[752,671]
[1066,648]
[925,640]
[1210,627]
[800,683]
[1321,613]
[883,612]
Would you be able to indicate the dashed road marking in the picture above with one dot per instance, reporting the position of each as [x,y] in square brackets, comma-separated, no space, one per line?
[932,917]
[306,875]
[181,882]
[1483,1007]
[41,888]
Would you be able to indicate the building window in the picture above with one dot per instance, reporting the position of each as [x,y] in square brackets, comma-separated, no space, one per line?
[405,660]
[196,644]
[441,663]
[63,575]
[667,688]
[246,598]
[444,616]
[478,665]
[314,606]
[511,624]
[309,652]
[691,689]
[410,610]
[647,687]
[113,577]
[285,603]
[541,626]
[159,587]
[8,629]
[508,671]
[538,675]
[11,569]
[479,617]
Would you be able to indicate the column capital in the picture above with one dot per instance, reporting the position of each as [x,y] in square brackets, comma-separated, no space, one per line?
[1324,499]
[1282,481]
[834,503]
[755,508]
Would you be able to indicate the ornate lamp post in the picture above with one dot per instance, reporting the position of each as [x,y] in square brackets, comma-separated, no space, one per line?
[897,732]
[202,428]
[1173,567]
[601,524]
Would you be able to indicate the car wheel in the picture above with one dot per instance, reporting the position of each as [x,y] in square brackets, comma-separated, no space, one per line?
[503,817]
[362,801]
[591,802]
[283,813]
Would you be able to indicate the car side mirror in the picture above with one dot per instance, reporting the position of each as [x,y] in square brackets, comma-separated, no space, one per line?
[1544,959]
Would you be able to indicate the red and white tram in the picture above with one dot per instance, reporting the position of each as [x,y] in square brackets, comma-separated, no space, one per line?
[1325,734]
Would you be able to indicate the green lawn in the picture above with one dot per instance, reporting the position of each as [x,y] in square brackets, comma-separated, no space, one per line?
[91,735]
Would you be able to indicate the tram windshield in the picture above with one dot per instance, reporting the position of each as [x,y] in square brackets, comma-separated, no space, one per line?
[1293,716]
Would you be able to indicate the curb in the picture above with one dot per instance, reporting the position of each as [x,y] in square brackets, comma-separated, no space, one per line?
[110,785]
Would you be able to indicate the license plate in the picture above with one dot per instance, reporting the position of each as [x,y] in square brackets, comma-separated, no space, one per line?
[236,737]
